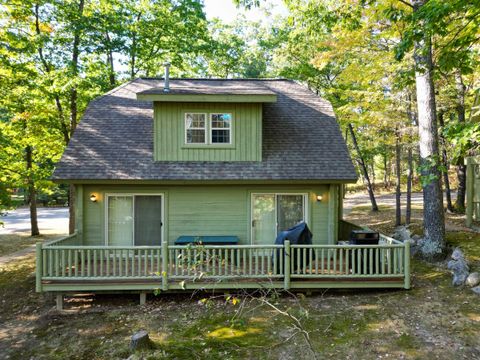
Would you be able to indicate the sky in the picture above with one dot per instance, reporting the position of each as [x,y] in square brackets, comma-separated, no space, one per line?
[227,11]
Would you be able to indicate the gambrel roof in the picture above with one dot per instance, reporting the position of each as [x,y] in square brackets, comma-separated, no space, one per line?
[301,137]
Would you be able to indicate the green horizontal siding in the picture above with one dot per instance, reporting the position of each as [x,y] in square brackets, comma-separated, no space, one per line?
[169,139]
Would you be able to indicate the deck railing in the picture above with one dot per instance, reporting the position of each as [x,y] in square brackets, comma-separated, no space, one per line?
[61,262]
[100,262]
[224,262]
[347,261]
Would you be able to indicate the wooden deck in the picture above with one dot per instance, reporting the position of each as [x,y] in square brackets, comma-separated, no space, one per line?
[64,266]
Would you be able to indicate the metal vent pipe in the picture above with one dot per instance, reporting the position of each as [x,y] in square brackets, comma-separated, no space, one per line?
[166,87]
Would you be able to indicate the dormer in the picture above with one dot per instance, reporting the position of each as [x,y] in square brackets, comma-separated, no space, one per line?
[208,120]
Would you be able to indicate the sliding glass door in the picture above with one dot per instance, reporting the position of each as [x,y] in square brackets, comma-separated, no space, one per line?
[148,220]
[263,219]
[134,220]
[120,220]
[273,213]
[290,211]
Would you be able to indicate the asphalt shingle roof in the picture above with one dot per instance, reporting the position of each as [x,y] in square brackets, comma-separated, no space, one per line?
[114,140]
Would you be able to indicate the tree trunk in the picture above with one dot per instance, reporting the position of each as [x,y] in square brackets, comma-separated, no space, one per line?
[413,122]
[364,169]
[385,164]
[372,166]
[446,181]
[111,69]
[398,194]
[74,71]
[133,49]
[47,69]
[32,193]
[433,244]
[461,168]
[389,172]
[408,210]
[73,107]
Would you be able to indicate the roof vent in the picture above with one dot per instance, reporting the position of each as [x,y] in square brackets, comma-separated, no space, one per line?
[166,87]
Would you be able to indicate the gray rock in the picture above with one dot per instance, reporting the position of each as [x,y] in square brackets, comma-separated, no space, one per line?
[473,279]
[140,340]
[459,267]
[416,237]
[476,290]
[402,233]
[457,254]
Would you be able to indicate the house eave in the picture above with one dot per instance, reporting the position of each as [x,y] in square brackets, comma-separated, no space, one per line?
[204,182]
[218,98]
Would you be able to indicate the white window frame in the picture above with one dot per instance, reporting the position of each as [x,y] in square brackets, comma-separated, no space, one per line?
[205,128]
[211,128]
[132,195]
[305,208]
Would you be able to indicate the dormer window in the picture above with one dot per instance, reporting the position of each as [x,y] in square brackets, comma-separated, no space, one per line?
[220,128]
[216,131]
[195,128]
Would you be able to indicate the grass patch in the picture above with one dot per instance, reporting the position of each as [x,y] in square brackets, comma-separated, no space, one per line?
[17,288]
[384,219]
[10,243]
[469,242]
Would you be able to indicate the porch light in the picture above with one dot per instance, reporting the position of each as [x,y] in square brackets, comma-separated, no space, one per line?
[93,198]
[319,198]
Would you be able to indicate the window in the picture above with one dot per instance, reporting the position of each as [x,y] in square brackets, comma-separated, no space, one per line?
[195,128]
[217,130]
[220,128]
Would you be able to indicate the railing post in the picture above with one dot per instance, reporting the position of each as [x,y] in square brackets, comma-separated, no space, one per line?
[407,265]
[164,265]
[286,263]
[39,267]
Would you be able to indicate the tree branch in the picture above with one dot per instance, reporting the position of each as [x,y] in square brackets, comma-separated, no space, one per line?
[406,3]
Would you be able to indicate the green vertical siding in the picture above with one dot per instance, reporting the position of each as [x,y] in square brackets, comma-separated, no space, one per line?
[79,201]
[93,217]
[210,210]
[169,139]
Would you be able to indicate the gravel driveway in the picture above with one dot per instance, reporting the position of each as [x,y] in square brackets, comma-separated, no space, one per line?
[50,221]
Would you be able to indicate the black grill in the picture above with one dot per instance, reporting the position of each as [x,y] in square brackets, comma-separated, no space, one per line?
[364,237]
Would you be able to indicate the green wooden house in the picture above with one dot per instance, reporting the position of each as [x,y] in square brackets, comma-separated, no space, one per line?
[153,162]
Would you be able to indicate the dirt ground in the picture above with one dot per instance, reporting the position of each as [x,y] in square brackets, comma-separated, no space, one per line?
[433,320]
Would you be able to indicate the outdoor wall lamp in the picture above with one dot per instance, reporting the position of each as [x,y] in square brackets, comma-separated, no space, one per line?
[93,198]
[319,198]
